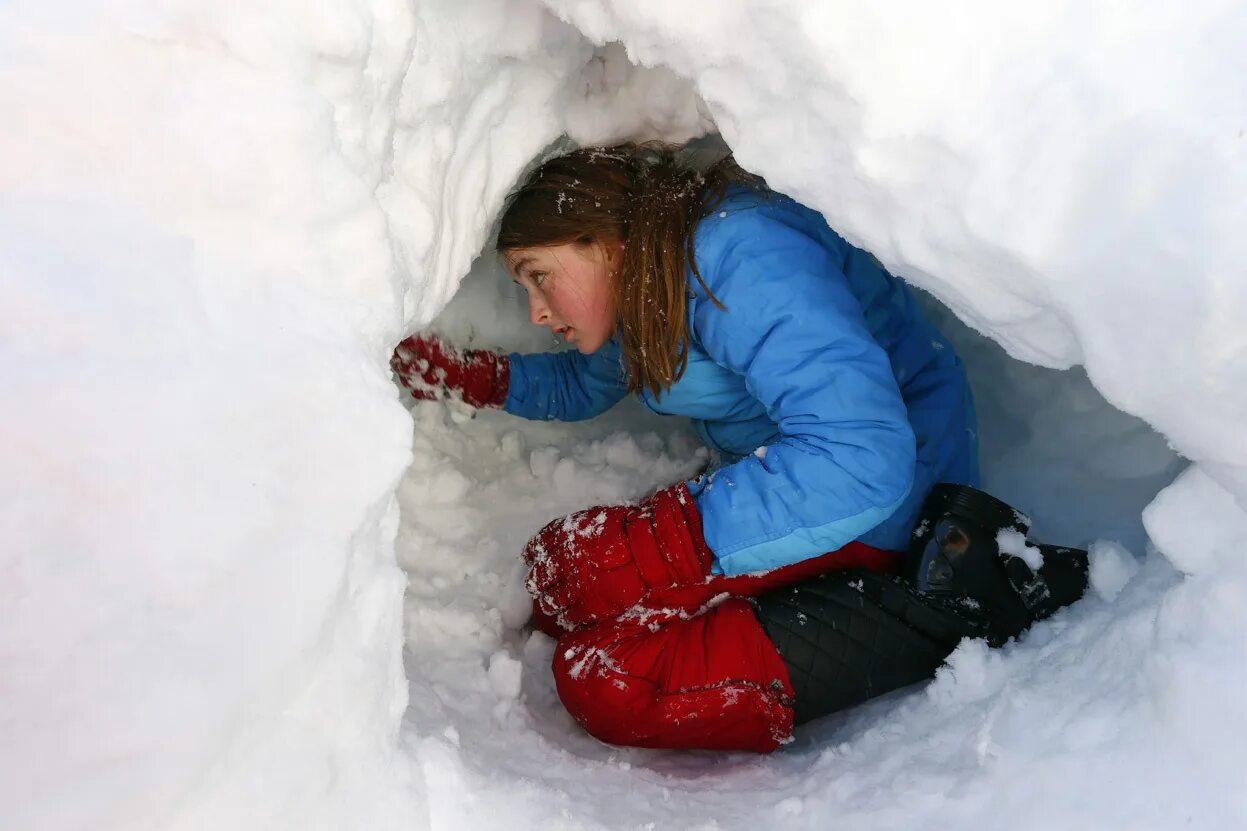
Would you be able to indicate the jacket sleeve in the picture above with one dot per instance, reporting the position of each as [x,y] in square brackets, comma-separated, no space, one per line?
[565,386]
[844,457]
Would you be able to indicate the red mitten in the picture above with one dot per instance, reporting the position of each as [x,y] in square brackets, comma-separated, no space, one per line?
[431,369]
[597,563]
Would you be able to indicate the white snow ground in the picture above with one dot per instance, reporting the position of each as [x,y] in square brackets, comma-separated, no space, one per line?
[216,220]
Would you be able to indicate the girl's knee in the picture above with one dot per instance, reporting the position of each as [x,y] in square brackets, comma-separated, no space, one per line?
[598,691]
[698,683]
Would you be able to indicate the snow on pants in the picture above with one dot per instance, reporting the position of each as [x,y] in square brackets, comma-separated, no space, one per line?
[693,667]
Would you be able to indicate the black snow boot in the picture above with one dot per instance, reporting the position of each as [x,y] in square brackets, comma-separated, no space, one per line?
[955,556]
[849,636]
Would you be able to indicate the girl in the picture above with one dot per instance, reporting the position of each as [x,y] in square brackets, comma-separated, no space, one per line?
[834,406]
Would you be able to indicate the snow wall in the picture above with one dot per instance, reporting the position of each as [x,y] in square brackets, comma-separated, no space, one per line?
[216,219]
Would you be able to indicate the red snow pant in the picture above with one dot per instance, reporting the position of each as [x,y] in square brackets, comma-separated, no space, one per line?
[693,668]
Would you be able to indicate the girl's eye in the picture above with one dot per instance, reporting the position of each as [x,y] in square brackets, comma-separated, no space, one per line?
[538,277]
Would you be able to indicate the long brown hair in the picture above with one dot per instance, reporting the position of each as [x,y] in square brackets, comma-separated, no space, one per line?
[641,195]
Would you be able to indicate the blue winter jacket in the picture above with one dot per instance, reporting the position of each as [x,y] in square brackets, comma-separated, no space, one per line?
[834,403]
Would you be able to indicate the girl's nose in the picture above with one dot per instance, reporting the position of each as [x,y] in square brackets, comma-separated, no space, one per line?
[538,313]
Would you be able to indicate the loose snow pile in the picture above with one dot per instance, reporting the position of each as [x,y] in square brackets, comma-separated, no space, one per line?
[216,219]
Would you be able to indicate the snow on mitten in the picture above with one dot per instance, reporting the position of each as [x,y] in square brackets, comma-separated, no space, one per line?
[597,563]
[431,369]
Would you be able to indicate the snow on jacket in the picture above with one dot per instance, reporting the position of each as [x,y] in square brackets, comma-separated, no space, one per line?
[834,402]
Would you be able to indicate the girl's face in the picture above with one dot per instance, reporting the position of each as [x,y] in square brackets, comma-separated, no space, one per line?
[569,289]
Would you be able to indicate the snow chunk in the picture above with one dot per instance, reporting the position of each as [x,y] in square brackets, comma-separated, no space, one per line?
[1112,567]
[1013,543]
[792,806]
[1198,524]
[505,673]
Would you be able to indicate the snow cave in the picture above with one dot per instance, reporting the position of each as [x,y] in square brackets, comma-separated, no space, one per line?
[246,584]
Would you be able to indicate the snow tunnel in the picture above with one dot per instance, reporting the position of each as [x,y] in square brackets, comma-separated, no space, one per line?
[243,586]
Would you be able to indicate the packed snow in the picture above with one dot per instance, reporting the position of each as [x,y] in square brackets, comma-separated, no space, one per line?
[244,587]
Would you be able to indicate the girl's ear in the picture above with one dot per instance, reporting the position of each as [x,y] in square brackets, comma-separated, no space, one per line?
[614,253]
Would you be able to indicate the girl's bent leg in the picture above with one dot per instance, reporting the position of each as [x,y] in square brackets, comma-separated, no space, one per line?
[714,682]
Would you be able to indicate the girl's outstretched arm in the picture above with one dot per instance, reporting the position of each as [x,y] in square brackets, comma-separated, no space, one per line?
[565,386]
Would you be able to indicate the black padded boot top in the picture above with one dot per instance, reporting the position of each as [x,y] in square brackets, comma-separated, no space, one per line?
[849,636]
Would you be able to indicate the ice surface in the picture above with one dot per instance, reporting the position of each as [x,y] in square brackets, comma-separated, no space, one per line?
[217,218]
